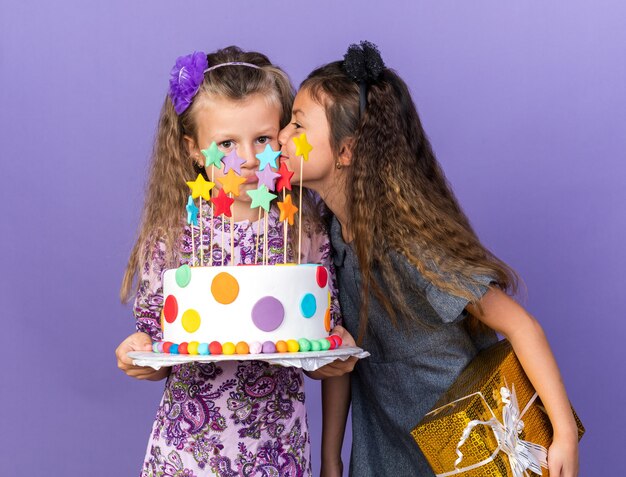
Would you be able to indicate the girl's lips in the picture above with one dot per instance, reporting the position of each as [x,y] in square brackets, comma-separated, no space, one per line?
[253,179]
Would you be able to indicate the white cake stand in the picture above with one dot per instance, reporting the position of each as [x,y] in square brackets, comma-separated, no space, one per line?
[308,361]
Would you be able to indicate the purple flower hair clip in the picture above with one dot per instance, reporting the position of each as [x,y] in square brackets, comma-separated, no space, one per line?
[185,79]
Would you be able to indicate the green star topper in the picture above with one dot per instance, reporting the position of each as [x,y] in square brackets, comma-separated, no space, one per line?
[261,197]
[213,156]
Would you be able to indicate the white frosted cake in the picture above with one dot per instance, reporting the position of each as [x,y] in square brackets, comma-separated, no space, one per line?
[246,309]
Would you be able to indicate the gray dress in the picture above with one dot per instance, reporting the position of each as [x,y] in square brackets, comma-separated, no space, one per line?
[409,367]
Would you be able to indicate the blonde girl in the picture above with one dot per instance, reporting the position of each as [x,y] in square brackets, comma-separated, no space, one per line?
[236,417]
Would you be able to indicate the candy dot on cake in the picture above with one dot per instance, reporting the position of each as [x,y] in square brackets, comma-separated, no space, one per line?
[224,288]
[192,348]
[315,345]
[256,347]
[332,343]
[215,347]
[183,348]
[170,309]
[268,313]
[321,275]
[308,305]
[293,346]
[242,348]
[305,345]
[337,340]
[281,346]
[183,275]
[269,347]
[324,344]
[327,319]
[228,348]
[174,348]
[203,349]
[166,346]
[191,320]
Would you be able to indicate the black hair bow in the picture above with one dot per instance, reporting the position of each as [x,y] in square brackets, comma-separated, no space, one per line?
[363,64]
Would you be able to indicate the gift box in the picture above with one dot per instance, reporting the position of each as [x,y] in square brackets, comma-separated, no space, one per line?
[489,423]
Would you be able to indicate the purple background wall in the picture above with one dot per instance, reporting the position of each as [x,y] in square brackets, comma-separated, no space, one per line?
[525,105]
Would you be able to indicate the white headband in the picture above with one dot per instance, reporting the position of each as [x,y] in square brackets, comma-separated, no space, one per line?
[232,63]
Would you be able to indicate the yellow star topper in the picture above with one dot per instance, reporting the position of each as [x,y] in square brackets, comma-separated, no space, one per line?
[200,187]
[302,146]
[287,210]
[231,182]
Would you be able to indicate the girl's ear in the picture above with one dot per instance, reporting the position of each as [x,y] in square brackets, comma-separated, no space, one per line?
[345,152]
[193,150]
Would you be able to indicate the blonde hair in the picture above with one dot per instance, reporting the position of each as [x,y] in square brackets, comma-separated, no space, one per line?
[171,166]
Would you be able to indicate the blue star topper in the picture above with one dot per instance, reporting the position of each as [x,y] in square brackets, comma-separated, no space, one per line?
[268,156]
[192,212]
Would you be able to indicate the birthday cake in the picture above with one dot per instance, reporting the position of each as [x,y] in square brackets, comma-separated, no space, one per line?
[246,309]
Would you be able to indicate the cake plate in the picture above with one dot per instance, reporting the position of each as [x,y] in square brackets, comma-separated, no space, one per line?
[308,361]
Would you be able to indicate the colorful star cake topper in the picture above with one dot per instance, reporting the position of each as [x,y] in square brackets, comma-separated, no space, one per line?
[200,187]
[261,197]
[192,212]
[231,182]
[233,162]
[213,156]
[267,177]
[285,178]
[287,210]
[222,204]
[268,156]
[302,146]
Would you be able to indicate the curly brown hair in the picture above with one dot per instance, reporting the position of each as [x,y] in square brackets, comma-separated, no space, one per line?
[398,198]
[171,166]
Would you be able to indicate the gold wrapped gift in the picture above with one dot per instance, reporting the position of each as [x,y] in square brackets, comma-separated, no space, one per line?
[489,423]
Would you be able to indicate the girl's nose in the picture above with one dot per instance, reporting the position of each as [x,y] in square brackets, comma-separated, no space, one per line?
[283,136]
[248,153]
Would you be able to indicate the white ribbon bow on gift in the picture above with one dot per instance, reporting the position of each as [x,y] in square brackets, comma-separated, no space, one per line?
[523,455]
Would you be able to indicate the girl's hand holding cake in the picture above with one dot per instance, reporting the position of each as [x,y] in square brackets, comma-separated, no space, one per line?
[338,367]
[138,342]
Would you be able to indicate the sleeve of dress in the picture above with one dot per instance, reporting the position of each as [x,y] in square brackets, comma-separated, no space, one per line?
[451,308]
[319,252]
[149,300]
[447,307]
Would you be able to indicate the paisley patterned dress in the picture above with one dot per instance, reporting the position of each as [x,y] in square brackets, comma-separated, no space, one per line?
[229,418]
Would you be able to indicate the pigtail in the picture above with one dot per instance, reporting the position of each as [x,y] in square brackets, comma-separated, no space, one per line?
[165,196]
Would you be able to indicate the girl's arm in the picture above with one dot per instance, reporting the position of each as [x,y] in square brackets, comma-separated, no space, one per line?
[147,310]
[335,405]
[503,314]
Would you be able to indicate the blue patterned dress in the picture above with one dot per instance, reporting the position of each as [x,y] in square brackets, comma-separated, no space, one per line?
[229,418]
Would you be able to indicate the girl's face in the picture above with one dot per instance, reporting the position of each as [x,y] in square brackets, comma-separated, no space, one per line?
[246,126]
[309,117]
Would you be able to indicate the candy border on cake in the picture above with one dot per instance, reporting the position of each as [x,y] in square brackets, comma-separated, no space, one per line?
[242,348]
